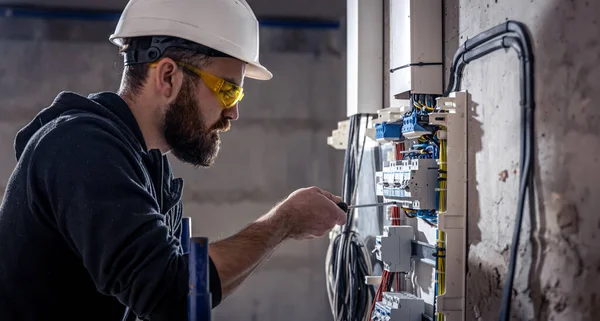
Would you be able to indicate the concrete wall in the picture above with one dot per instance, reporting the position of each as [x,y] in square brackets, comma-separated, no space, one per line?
[278,145]
[557,274]
[306,8]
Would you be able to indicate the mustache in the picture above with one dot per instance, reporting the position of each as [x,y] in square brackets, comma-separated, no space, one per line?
[222,125]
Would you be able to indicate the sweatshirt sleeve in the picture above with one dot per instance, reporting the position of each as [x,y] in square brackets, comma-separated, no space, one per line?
[89,181]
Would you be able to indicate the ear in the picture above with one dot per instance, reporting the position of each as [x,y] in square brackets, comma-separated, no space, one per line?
[168,78]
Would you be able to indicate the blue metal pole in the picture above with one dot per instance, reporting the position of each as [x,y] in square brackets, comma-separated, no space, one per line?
[186,233]
[199,298]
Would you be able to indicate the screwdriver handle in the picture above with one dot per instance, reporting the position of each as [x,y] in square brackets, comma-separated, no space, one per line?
[343,206]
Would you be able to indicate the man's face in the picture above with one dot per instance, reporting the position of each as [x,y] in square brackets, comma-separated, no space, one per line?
[195,118]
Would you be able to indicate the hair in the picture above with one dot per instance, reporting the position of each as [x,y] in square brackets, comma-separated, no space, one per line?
[135,75]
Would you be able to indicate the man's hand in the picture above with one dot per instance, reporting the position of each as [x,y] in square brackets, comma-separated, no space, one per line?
[308,213]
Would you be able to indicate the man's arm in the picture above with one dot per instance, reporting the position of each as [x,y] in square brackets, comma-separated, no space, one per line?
[237,256]
[306,213]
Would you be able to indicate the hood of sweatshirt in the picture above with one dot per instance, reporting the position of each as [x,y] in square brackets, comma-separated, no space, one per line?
[104,104]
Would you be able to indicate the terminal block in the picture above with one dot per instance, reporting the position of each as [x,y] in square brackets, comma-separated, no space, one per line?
[394,248]
[387,127]
[381,312]
[415,125]
[399,306]
[388,131]
[411,182]
[404,306]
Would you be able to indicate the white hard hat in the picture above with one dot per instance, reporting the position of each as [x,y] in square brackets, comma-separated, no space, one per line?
[227,26]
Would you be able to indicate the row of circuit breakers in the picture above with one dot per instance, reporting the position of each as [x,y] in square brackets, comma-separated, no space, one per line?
[410,177]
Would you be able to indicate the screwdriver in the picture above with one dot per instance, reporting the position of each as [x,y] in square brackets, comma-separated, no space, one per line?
[345,207]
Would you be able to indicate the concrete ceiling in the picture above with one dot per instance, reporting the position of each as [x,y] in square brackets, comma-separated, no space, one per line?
[328,9]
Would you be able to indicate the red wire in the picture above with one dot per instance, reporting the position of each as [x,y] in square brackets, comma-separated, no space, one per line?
[395,215]
[379,293]
[399,148]
[385,276]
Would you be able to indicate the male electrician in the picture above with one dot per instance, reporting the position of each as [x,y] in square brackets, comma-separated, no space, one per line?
[91,217]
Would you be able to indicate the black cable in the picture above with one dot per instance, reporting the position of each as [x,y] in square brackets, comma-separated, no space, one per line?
[520,41]
[473,43]
[527,120]
[390,281]
[348,262]
[476,53]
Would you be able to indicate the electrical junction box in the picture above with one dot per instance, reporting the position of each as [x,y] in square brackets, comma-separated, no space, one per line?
[410,182]
[394,248]
[364,33]
[339,136]
[415,52]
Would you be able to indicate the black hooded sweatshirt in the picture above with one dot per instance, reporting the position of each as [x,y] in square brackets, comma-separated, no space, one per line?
[91,220]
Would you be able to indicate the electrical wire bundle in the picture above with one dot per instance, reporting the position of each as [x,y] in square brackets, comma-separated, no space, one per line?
[424,104]
[388,278]
[440,245]
[508,35]
[348,261]
[428,216]
[427,147]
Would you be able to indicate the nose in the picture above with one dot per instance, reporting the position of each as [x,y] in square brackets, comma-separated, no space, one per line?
[232,113]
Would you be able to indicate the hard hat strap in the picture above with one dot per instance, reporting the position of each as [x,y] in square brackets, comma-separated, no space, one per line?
[139,54]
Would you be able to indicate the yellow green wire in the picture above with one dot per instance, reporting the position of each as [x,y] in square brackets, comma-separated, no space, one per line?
[443,176]
[441,241]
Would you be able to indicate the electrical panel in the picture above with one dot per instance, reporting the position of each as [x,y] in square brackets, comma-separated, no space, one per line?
[420,180]
[423,179]
[415,51]
[422,183]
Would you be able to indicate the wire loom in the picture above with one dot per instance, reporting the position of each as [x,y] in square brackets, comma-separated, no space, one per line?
[514,35]
[348,260]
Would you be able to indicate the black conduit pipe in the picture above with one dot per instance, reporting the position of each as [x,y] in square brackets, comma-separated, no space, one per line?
[517,38]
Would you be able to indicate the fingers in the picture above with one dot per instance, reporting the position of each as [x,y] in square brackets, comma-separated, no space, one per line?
[334,198]
[341,218]
[340,215]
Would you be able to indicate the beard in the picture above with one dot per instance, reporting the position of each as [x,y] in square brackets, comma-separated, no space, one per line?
[186,132]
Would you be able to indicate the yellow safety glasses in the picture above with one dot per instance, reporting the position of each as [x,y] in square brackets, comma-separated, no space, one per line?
[229,93]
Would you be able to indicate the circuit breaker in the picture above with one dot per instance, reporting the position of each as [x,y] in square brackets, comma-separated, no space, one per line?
[393,248]
[411,182]
[399,306]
